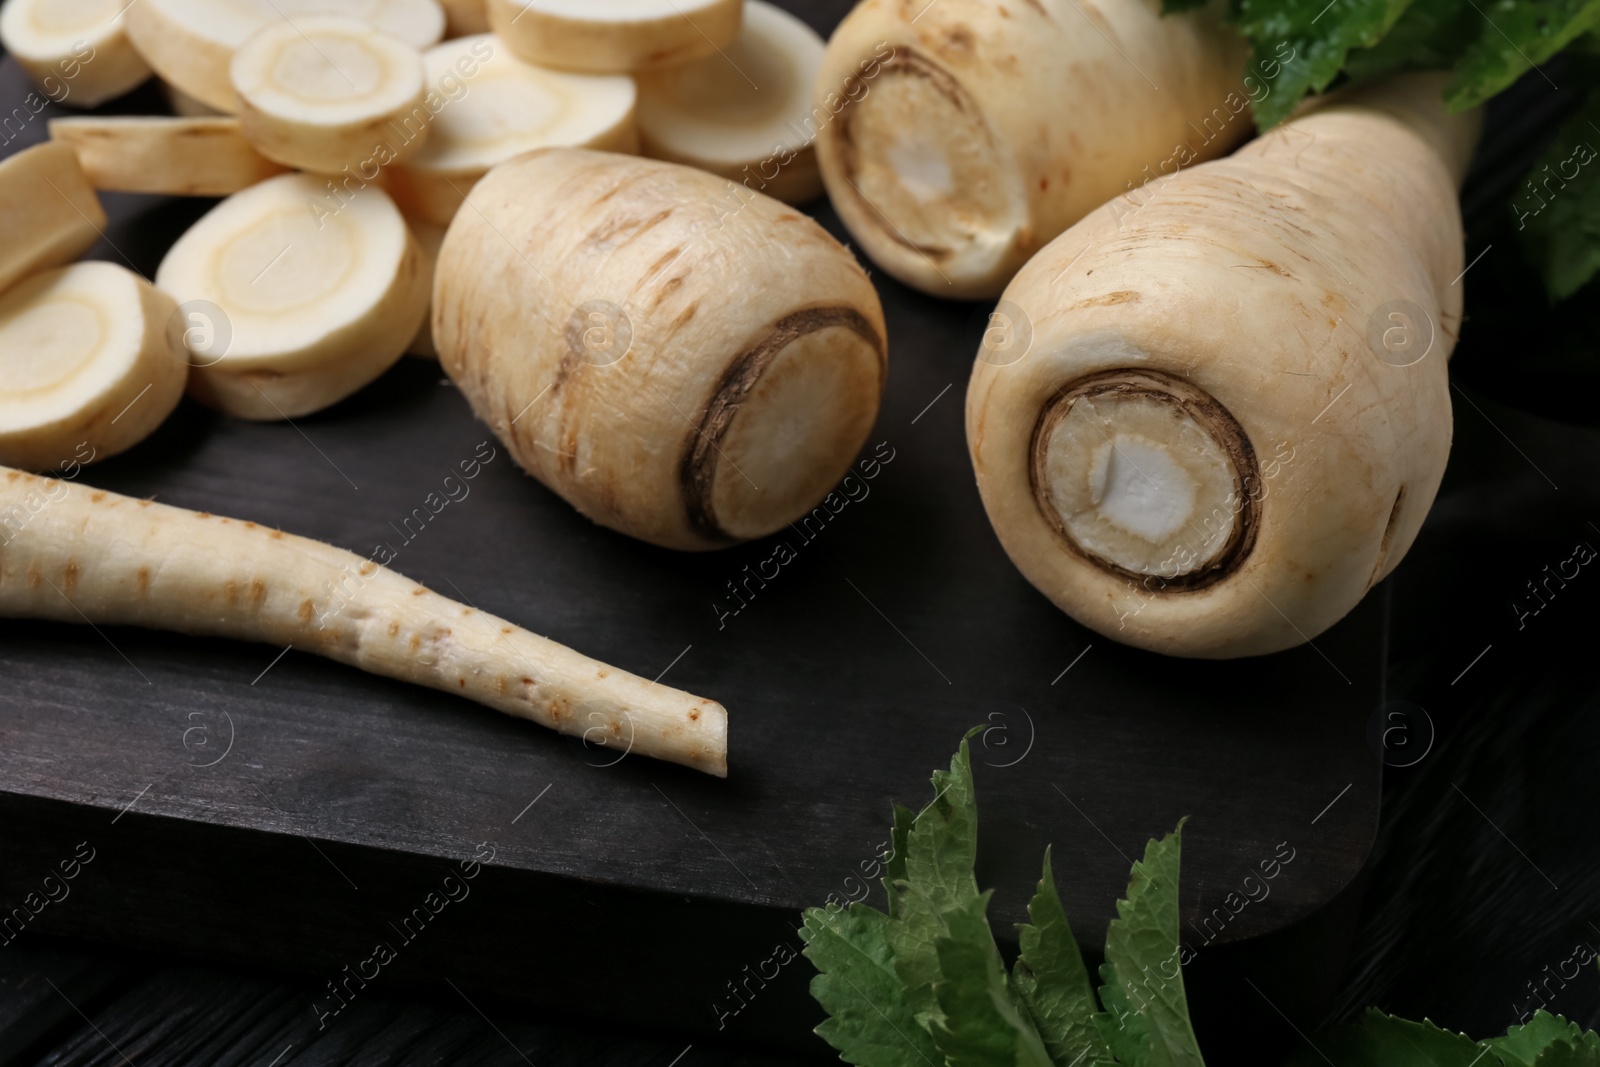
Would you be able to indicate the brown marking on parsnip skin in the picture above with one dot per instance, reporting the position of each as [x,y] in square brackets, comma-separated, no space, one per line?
[276,535]
[418,591]
[202,514]
[258,592]
[12,476]
[465,612]
[697,469]
[367,568]
[463,683]
[668,287]
[1121,296]
[505,629]
[34,577]
[394,629]
[145,503]
[97,496]
[500,685]
[415,643]
[661,264]
[694,715]
[683,319]
[230,591]
[604,236]
[249,526]
[69,577]
[307,609]
[142,580]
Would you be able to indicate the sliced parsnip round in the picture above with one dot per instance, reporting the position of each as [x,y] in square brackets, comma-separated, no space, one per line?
[462,18]
[615,36]
[429,237]
[326,92]
[49,212]
[492,106]
[688,371]
[185,106]
[304,308]
[744,114]
[75,50]
[167,156]
[87,367]
[191,43]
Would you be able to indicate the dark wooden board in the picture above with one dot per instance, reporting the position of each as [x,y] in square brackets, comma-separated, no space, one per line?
[334,801]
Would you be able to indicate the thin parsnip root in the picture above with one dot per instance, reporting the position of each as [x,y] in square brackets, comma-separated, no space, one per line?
[957,138]
[164,156]
[322,92]
[742,113]
[311,307]
[88,366]
[49,212]
[76,51]
[633,338]
[191,43]
[492,107]
[615,36]
[1210,416]
[70,553]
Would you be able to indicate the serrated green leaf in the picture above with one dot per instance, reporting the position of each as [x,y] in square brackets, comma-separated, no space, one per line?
[1429,35]
[894,869]
[978,1025]
[1142,951]
[1567,1054]
[1120,1026]
[1521,1045]
[1379,1040]
[869,1021]
[941,845]
[1557,206]
[1300,46]
[1052,982]
[1514,37]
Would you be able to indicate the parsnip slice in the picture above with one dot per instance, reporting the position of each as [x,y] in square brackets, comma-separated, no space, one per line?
[742,114]
[312,306]
[615,36]
[191,43]
[74,50]
[186,106]
[87,367]
[325,92]
[49,212]
[166,156]
[495,107]
[71,553]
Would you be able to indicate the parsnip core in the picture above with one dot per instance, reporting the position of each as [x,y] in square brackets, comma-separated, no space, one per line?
[918,151]
[1147,475]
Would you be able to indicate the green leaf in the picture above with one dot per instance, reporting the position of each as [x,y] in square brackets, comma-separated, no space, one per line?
[869,1020]
[1142,952]
[1566,1054]
[894,869]
[1052,982]
[1121,1027]
[1557,206]
[1514,37]
[941,845]
[1430,35]
[1521,1045]
[978,1025]
[1379,1040]
[1300,46]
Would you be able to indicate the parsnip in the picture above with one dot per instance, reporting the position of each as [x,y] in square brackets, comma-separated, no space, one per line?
[957,138]
[429,238]
[1210,416]
[49,212]
[463,18]
[685,369]
[325,92]
[191,43]
[741,114]
[314,305]
[496,107]
[87,361]
[76,51]
[70,553]
[166,156]
[615,36]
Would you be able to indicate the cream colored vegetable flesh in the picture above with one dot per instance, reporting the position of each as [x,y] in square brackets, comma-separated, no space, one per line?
[636,355]
[76,51]
[297,310]
[70,553]
[49,212]
[88,366]
[741,113]
[191,43]
[1210,416]
[324,93]
[958,138]
[491,107]
[615,36]
[165,156]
